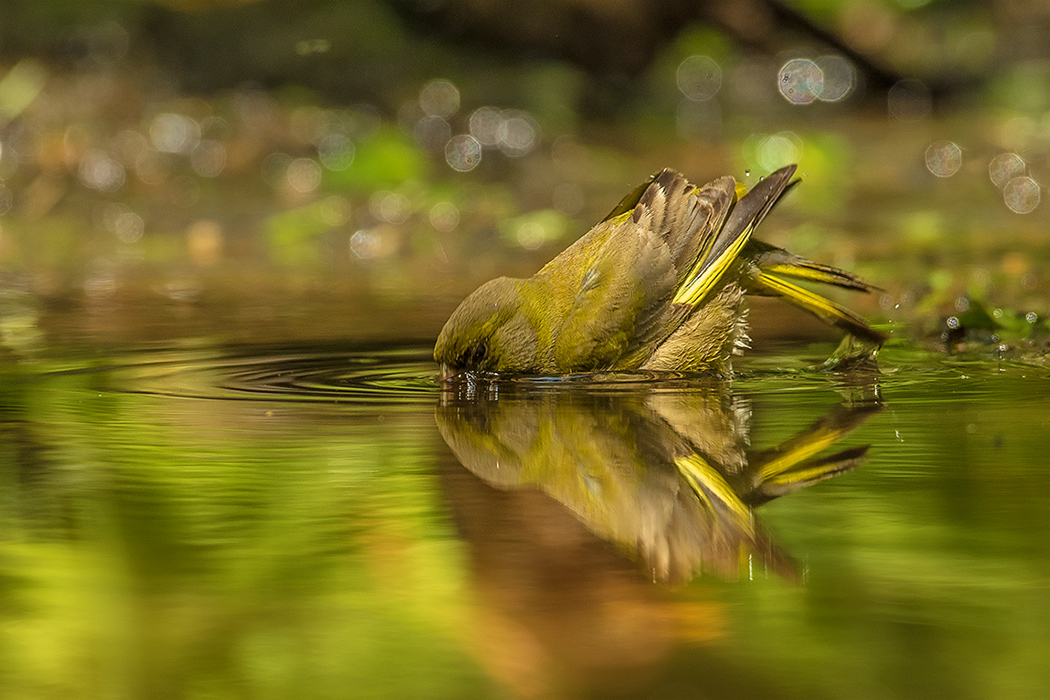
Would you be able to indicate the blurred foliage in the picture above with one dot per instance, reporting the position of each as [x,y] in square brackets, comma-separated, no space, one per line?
[356,146]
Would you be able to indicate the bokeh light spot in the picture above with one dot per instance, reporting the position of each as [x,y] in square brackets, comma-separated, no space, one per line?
[129,226]
[517,134]
[390,207]
[568,198]
[485,125]
[1022,194]
[335,210]
[432,133]
[463,152]
[699,78]
[444,216]
[943,158]
[779,150]
[336,152]
[208,158]
[365,244]
[800,81]
[99,171]
[531,235]
[303,175]
[840,78]
[1005,167]
[174,133]
[439,98]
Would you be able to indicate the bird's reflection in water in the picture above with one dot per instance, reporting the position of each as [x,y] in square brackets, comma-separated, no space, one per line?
[571,477]
[664,471]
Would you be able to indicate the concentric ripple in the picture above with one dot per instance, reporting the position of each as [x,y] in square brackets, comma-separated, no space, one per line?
[360,377]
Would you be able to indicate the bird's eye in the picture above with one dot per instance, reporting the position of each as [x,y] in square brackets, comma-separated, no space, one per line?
[477,354]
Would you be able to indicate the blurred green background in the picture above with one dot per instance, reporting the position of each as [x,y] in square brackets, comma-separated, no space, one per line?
[230,230]
[224,168]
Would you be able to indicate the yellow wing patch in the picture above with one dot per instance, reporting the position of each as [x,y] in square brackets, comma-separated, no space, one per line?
[701,281]
[705,481]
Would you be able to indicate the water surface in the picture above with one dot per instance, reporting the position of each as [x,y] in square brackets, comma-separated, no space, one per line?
[279,521]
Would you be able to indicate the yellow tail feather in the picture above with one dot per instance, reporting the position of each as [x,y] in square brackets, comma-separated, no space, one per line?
[822,307]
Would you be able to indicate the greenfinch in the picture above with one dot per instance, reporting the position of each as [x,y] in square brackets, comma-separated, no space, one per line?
[656,285]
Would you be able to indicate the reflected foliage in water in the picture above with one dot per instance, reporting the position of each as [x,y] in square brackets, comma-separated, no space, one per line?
[664,471]
[279,521]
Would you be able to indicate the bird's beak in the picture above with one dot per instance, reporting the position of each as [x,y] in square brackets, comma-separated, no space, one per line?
[446,373]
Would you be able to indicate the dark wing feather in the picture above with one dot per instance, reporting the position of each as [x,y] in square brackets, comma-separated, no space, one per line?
[728,241]
[623,306]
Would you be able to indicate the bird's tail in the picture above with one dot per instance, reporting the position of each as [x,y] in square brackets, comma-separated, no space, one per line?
[769,266]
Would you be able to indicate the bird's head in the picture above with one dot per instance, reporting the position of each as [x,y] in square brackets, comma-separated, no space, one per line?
[489,332]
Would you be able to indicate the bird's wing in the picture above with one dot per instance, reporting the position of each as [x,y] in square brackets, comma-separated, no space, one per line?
[650,241]
[619,303]
[685,217]
[728,241]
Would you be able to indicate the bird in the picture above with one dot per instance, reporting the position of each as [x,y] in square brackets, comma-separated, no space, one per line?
[657,285]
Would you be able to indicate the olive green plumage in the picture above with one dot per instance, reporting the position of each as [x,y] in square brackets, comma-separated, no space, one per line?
[656,285]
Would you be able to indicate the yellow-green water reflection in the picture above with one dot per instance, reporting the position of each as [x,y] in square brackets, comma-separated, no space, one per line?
[175,526]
